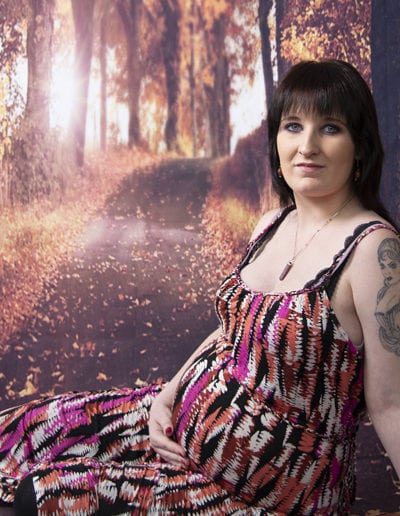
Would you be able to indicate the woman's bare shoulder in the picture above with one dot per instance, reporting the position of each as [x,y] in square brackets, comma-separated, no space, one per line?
[368,249]
[264,221]
[381,232]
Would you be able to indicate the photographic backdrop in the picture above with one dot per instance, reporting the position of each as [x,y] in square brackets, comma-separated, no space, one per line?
[133,165]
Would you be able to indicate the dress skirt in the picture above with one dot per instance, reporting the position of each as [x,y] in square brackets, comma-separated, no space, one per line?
[89,453]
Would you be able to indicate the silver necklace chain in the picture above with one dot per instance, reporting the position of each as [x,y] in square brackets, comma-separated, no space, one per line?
[290,263]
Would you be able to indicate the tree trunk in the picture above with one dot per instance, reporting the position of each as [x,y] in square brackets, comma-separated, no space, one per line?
[218,94]
[83,20]
[31,166]
[192,81]
[39,49]
[282,64]
[264,8]
[385,67]
[202,111]
[103,74]
[171,55]
[130,13]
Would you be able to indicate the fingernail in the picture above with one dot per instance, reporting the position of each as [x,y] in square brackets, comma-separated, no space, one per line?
[168,430]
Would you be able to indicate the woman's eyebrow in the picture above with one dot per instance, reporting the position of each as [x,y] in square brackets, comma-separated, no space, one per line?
[334,119]
[328,118]
[290,117]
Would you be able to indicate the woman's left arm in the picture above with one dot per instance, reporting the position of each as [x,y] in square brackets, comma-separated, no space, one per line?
[375,282]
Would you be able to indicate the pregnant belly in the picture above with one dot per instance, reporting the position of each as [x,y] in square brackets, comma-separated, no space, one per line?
[233,438]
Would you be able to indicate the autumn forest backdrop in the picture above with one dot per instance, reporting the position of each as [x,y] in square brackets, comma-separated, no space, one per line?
[133,166]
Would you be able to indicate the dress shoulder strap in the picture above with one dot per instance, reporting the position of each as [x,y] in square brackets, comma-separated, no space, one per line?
[330,276]
[257,243]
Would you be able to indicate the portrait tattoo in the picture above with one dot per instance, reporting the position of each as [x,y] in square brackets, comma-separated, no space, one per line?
[387,310]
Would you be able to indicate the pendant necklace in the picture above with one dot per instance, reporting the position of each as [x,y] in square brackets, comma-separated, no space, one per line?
[290,263]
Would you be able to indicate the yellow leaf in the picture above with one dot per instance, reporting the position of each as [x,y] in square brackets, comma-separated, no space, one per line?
[140,383]
[28,390]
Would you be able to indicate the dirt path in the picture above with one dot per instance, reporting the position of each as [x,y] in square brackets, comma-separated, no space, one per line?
[133,302]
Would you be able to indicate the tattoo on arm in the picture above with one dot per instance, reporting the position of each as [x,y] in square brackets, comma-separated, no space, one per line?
[387,310]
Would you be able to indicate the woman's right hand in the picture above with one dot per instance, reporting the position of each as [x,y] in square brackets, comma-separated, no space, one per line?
[161,427]
[161,432]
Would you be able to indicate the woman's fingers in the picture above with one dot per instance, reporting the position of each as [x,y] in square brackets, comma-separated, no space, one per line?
[162,442]
[173,458]
[168,449]
[161,433]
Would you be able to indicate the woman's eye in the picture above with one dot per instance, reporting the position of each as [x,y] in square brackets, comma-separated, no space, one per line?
[331,129]
[293,127]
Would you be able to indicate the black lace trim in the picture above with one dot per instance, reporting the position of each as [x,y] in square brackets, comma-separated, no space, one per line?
[334,277]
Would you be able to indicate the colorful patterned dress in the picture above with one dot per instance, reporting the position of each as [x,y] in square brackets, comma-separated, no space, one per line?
[267,414]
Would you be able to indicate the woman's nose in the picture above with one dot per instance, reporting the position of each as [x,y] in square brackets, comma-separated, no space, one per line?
[308,146]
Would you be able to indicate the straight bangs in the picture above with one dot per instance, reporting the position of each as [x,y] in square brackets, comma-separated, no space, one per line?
[323,98]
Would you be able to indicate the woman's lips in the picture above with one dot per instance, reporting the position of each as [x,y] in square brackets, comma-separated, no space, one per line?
[308,167]
[306,164]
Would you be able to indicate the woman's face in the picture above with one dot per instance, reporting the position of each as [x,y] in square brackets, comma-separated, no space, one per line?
[390,269]
[316,153]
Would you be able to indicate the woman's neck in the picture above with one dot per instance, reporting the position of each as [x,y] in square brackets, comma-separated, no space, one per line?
[314,212]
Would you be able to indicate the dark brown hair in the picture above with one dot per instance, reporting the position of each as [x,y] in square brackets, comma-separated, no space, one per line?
[332,87]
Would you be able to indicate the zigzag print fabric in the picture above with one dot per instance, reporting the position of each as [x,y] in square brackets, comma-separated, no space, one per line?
[268,415]
[89,453]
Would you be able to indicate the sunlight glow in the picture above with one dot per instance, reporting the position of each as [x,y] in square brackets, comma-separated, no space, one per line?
[247,111]
[249,108]
[62,92]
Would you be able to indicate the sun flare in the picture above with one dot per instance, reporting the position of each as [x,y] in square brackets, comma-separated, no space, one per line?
[62,92]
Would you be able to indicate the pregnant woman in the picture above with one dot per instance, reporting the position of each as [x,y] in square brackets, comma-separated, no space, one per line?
[262,418]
